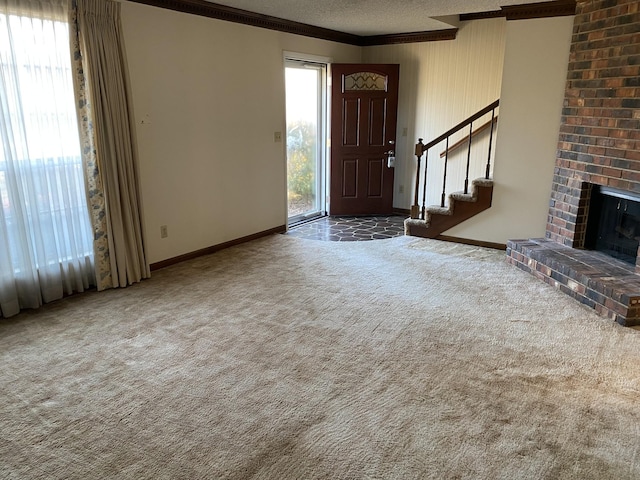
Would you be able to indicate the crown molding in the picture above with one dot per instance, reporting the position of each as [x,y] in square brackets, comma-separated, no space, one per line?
[236,15]
[203,8]
[464,17]
[557,8]
[416,37]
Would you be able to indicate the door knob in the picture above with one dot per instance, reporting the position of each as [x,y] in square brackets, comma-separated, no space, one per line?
[390,152]
[392,142]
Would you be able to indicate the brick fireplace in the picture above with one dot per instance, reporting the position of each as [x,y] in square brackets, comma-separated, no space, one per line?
[598,151]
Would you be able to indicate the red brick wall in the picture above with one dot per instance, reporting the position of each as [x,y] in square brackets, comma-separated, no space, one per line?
[600,133]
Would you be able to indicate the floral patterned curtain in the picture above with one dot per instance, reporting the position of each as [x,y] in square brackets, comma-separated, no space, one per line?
[95,193]
[108,143]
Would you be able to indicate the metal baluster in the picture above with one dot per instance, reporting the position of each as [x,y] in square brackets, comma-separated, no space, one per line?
[486,175]
[466,178]
[424,187]
[444,180]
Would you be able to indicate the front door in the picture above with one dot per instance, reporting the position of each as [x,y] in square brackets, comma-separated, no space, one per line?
[364,103]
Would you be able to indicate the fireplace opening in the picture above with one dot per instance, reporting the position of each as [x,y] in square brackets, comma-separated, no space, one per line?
[613,225]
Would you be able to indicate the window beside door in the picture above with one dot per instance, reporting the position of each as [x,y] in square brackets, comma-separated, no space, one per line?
[306,114]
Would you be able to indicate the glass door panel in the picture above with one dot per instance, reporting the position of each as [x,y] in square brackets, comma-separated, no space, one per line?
[305,139]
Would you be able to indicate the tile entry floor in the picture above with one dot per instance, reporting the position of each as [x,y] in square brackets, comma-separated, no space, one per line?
[350,229]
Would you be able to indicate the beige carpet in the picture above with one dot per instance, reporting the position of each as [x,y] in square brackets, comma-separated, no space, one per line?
[295,359]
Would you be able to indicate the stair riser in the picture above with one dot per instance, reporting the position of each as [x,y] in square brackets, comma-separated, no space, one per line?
[462,210]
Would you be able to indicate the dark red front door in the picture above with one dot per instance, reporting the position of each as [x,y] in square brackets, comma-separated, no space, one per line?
[364,103]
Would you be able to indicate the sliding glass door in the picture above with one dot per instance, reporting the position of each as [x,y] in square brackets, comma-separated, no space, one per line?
[306,118]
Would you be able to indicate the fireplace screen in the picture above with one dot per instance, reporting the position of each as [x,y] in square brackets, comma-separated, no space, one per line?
[613,226]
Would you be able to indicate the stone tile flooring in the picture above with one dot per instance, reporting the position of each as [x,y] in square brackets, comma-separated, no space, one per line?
[350,229]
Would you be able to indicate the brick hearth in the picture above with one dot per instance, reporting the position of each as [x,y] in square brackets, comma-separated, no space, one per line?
[599,144]
[608,285]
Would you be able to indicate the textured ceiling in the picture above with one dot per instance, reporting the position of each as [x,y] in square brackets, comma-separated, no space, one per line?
[371,17]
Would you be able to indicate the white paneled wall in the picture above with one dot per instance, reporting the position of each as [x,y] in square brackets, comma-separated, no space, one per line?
[533,85]
[441,84]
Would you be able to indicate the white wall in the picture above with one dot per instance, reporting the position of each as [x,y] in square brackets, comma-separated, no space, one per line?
[533,84]
[441,84]
[208,96]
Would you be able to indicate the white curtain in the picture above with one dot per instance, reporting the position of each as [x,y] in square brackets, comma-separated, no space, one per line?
[46,247]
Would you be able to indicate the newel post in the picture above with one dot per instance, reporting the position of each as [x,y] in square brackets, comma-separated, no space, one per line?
[415,208]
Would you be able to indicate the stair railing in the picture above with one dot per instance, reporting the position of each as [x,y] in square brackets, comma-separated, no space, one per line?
[418,212]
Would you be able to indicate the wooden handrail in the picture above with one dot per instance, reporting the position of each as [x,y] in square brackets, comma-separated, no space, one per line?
[461,125]
[416,212]
[478,130]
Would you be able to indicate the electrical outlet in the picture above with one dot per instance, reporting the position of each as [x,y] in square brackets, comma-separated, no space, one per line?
[401,189]
[405,131]
[277,137]
[164,231]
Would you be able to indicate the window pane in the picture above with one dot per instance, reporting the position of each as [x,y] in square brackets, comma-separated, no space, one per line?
[42,186]
[364,81]
[303,114]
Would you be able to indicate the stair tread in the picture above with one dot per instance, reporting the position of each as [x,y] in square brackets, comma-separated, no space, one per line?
[415,222]
[462,197]
[483,182]
[437,209]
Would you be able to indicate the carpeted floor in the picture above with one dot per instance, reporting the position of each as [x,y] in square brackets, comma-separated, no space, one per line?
[287,358]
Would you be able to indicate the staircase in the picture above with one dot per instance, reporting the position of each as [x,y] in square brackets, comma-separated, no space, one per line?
[462,206]
[432,221]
